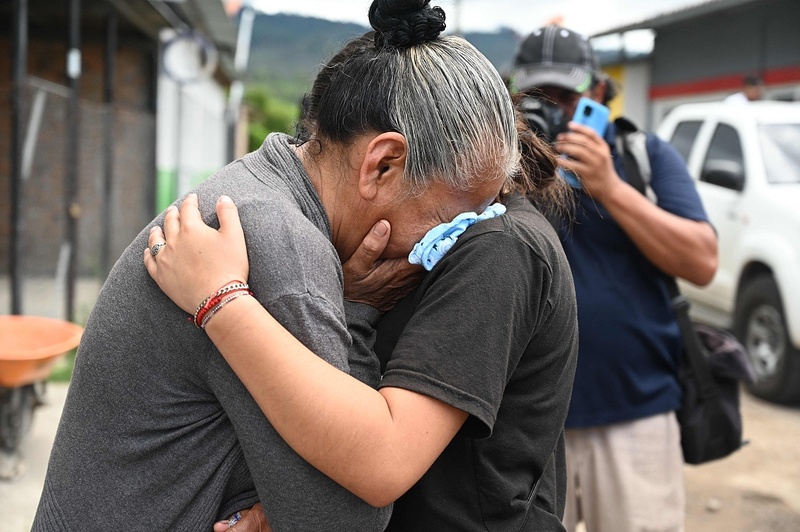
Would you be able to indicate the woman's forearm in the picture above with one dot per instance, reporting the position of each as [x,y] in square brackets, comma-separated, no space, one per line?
[375,444]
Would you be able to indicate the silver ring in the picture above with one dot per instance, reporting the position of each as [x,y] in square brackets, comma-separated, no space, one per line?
[235,518]
[155,249]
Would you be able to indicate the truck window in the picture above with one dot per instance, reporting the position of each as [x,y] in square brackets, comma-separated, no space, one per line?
[780,144]
[725,146]
[683,137]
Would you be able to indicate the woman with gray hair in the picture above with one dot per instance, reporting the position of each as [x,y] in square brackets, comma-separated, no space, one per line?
[499,349]
[466,426]
[405,129]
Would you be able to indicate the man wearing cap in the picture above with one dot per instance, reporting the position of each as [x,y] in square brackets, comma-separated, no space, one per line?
[623,440]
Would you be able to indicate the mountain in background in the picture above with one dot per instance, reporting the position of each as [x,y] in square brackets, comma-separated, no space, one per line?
[288,50]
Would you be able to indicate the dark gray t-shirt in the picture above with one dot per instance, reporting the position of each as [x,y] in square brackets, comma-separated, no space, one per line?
[158,433]
[492,331]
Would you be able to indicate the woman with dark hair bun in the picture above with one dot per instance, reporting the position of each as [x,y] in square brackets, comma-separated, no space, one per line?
[491,331]
[465,431]
[465,427]
[405,129]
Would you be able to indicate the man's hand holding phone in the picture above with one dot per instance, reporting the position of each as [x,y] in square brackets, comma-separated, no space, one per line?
[587,153]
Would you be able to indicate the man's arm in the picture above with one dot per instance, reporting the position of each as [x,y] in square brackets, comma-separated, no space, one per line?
[678,246]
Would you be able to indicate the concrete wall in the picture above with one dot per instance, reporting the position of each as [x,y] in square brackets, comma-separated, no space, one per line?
[192,133]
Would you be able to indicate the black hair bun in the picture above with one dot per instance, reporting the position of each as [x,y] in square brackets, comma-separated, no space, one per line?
[405,23]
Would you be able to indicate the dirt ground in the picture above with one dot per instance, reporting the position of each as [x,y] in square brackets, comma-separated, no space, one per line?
[757,489]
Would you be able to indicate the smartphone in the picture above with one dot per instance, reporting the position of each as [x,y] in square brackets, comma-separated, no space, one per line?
[592,114]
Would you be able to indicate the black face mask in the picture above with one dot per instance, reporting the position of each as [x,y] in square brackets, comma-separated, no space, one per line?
[545,118]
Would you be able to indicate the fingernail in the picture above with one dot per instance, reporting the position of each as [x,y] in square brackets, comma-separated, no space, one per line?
[380,228]
[225,199]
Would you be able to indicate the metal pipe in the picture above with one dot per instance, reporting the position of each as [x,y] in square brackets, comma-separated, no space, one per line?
[72,206]
[19,69]
[32,136]
[244,37]
[169,14]
[112,25]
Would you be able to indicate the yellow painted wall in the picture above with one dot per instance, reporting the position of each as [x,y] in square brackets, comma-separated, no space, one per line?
[617,105]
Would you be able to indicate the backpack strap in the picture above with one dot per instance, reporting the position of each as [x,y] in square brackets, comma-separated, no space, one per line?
[631,144]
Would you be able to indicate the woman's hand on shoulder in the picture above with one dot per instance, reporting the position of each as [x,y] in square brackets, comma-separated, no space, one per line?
[190,260]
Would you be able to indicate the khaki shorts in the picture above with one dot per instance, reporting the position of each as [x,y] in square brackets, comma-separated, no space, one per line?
[626,477]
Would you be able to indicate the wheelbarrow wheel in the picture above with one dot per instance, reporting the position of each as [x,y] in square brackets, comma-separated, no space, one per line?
[16,415]
[40,393]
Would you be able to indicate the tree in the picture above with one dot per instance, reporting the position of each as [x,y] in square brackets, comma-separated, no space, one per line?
[268,114]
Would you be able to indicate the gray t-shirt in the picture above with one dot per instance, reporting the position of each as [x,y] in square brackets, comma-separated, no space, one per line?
[158,433]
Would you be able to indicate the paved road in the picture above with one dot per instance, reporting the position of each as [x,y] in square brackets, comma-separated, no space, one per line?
[19,497]
[755,490]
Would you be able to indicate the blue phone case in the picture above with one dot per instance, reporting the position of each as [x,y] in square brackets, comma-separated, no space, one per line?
[592,114]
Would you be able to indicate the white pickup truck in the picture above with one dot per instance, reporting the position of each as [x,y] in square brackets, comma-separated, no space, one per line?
[746,160]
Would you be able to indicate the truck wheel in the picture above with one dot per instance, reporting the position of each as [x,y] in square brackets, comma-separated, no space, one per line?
[761,326]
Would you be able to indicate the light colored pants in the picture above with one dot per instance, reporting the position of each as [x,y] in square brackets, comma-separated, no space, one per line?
[626,477]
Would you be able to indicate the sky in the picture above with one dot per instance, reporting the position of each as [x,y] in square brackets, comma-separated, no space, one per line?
[585,16]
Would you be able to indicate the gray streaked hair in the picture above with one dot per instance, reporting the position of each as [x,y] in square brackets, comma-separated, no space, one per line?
[442,94]
[456,114]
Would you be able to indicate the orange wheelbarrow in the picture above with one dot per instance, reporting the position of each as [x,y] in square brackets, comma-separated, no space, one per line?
[29,348]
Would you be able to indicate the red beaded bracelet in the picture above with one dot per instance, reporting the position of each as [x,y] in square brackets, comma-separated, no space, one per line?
[213,303]
[214,299]
[227,286]
[213,310]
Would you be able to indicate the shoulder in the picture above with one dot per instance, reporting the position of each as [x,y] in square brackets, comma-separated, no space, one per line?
[671,181]
[269,215]
[288,253]
[276,224]
[657,146]
[665,160]
[662,157]
[520,215]
[518,241]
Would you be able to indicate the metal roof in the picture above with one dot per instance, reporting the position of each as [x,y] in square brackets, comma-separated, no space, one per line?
[148,17]
[205,16]
[667,18]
